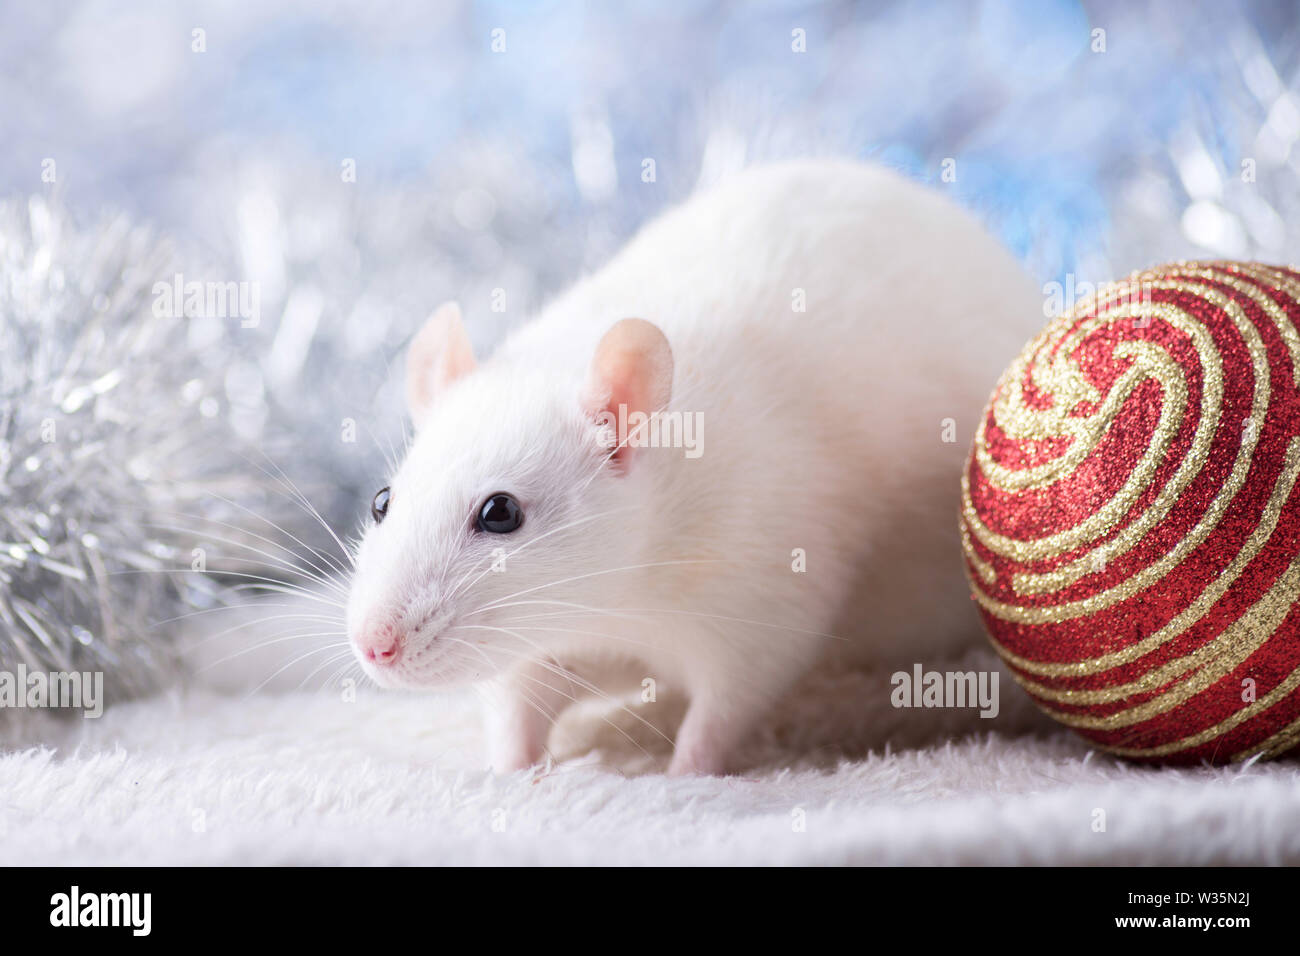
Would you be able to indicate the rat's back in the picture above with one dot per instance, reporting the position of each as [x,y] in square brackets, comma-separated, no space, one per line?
[871,270]
[838,328]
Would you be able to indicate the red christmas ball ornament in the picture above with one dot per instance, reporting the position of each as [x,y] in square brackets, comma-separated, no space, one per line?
[1131,515]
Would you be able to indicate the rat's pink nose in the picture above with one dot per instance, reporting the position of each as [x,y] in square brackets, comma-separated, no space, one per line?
[379,643]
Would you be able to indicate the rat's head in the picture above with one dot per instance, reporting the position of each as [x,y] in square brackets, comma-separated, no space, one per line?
[509,506]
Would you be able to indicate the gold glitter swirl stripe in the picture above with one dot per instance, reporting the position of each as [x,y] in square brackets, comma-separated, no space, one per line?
[1225,275]
[1010,408]
[1151,362]
[1274,746]
[1104,519]
[1205,601]
[1066,383]
[1254,709]
[1155,571]
[1276,314]
[1134,533]
[1238,642]
[1111,294]
[981,567]
[1278,280]
[1274,277]
[1290,288]
[1061,378]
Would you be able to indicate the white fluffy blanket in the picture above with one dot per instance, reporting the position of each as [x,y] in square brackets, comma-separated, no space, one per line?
[838,776]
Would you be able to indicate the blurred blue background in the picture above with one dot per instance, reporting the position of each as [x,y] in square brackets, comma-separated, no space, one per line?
[1060,145]
[501,145]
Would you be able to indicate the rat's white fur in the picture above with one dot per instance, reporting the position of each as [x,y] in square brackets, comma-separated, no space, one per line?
[823,431]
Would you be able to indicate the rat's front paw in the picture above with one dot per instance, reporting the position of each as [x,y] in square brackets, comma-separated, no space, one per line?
[511,755]
[516,738]
[697,761]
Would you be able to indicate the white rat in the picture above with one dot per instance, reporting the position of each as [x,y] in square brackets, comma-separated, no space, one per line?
[830,331]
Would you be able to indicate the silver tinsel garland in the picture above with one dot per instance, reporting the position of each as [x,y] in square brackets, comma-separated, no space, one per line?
[116,452]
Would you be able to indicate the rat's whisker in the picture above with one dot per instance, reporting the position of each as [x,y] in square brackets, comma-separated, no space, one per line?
[279,640]
[280,587]
[285,486]
[529,698]
[273,562]
[607,612]
[312,619]
[345,672]
[329,662]
[389,453]
[322,555]
[564,527]
[322,574]
[214,610]
[603,571]
[666,610]
[563,630]
[296,660]
[575,678]
[270,584]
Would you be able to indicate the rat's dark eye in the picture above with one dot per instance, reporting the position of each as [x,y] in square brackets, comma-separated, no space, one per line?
[500,514]
[379,507]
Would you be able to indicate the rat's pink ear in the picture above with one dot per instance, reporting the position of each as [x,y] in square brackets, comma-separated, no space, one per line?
[439,354]
[631,378]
